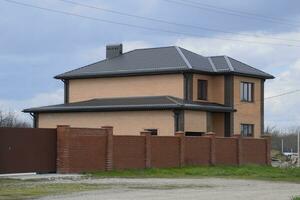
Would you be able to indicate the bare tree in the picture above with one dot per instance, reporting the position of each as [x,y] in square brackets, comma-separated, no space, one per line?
[288,136]
[10,120]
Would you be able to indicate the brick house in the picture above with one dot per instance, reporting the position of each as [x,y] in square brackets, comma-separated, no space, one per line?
[163,90]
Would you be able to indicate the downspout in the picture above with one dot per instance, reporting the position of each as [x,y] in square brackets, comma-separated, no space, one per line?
[66,90]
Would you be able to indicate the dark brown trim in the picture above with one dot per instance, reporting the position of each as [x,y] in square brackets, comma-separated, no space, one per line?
[227,124]
[262,106]
[229,101]
[35,120]
[188,86]
[178,120]
[66,91]
[173,71]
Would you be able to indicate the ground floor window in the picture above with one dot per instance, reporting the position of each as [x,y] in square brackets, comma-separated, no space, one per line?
[152,130]
[247,130]
[194,133]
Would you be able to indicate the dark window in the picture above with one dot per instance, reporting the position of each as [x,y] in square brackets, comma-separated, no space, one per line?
[247,130]
[153,131]
[246,91]
[202,89]
[194,133]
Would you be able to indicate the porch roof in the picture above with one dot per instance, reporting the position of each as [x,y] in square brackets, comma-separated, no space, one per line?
[132,104]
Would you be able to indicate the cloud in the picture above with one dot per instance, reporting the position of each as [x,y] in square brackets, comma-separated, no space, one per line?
[42,99]
[281,61]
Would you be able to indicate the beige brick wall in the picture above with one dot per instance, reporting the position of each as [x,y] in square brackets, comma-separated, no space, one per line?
[195,121]
[215,90]
[218,124]
[152,85]
[248,113]
[124,123]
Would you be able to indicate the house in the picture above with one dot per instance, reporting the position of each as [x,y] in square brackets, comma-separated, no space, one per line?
[162,90]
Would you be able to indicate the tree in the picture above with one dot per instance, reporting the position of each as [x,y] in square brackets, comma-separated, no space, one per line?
[10,120]
[288,136]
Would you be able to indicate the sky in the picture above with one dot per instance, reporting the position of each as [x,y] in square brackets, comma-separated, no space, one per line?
[36,45]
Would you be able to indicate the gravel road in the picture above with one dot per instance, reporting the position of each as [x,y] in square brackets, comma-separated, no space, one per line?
[173,189]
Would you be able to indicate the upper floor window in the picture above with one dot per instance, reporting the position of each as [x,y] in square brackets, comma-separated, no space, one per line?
[202,89]
[246,91]
[247,130]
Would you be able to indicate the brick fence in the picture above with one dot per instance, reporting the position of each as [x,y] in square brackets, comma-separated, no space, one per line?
[83,150]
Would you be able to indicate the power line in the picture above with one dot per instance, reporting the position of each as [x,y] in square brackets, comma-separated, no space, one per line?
[282,94]
[210,9]
[170,22]
[272,97]
[243,12]
[144,27]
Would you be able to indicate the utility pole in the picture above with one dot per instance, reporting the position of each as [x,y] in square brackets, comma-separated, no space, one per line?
[298,149]
[282,146]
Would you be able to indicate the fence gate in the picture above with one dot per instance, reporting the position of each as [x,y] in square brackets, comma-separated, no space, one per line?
[27,150]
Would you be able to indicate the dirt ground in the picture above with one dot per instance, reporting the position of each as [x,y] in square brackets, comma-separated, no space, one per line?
[173,189]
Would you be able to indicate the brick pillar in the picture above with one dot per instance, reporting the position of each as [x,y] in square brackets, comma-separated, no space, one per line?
[181,136]
[147,135]
[268,148]
[212,137]
[109,162]
[239,151]
[62,146]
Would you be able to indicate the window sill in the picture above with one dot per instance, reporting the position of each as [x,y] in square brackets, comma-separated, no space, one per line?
[244,101]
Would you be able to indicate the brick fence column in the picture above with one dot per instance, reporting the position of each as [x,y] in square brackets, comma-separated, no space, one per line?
[62,149]
[109,162]
[212,137]
[268,148]
[181,136]
[239,151]
[147,135]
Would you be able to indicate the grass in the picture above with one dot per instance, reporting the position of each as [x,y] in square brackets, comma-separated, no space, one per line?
[11,189]
[16,189]
[243,172]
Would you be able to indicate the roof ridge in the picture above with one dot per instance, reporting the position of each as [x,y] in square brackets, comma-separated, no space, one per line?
[212,64]
[183,57]
[229,63]
[153,48]
[173,100]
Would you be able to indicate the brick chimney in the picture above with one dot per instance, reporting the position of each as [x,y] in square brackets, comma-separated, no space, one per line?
[114,50]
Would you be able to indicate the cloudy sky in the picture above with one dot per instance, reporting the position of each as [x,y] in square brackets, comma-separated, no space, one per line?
[36,44]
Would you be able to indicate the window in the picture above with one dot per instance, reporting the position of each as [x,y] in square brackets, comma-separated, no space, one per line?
[202,89]
[153,131]
[247,130]
[246,91]
[194,134]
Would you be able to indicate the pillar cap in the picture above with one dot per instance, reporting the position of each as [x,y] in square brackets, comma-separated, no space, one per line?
[266,136]
[210,133]
[237,135]
[107,127]
[63,126]
[145,133]
[179,133]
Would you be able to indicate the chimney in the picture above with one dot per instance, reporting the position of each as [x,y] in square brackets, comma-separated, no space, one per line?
[114,50]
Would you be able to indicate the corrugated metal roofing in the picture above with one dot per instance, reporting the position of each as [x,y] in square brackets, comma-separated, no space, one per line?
[132,103]
[162,60]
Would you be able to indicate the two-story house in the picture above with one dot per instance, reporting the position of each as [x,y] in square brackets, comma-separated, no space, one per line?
[163,90]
